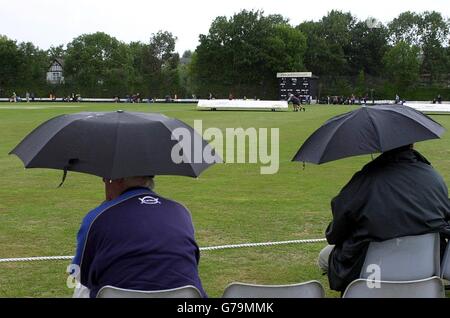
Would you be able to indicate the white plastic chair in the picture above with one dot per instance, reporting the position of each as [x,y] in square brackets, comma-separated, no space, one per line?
[310,289]
[180,292]
[432,287]
[445,267]
[404,259]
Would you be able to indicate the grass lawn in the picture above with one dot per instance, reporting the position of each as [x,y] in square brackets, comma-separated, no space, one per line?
[230,203]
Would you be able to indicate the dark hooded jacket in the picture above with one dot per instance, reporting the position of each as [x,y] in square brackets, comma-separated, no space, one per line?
[397,194]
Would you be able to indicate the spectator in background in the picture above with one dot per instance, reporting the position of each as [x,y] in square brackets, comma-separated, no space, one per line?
[439,99]
[27,97]
[296,103]
[397,99]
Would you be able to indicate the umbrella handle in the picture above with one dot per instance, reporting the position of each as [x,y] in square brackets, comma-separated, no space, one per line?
[66,168]
[63,177]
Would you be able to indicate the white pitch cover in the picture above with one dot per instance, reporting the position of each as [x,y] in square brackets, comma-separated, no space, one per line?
[242,104]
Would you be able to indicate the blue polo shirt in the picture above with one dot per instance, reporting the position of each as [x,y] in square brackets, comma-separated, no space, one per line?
[138,241]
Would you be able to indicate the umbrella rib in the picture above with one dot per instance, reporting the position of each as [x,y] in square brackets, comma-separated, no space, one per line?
[34,131]
[333,134]
[418,122]
[418,112]
[376,130]
[56,133]
[191,166]
[115,148]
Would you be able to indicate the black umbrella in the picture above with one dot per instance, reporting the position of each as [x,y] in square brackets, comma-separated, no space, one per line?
[115,145]
[367,130]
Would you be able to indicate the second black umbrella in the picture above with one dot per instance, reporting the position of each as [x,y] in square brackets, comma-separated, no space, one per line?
[367,130]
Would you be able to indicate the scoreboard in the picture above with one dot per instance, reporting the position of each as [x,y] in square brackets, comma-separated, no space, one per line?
[301,84]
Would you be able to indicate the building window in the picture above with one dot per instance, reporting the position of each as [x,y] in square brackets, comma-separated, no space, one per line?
[56,68]
[56,76]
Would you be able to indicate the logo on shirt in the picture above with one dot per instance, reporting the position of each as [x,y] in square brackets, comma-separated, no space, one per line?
[149,200]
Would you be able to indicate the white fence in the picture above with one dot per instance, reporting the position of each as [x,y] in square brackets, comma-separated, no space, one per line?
[105,100]
[426,107]
[422,106]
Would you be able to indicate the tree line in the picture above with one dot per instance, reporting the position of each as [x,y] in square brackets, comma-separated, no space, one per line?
[241,55]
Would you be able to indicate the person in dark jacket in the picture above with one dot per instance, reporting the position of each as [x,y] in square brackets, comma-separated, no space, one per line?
[397,194]
[136,240]
[296,102]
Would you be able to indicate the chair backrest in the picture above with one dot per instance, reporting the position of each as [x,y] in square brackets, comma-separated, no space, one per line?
[445,268]
[311,289]
[180,292]
[404,259]
[431,287]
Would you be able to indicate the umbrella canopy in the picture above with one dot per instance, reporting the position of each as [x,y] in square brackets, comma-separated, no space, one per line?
[112,145]
[367,130]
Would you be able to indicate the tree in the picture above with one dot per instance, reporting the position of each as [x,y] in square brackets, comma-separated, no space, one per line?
[368,44]
[329,43]
[98,64]
[33,68]
[405,28]
[317,52]
[10,61]
[434,32]
[187,54]
[242,54]
[428,31]
[56,52]
[155,66]
[360,86]
[402,65]
[137,83]
[161,64]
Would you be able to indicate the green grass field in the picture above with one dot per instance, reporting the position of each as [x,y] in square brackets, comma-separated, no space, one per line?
[230,203]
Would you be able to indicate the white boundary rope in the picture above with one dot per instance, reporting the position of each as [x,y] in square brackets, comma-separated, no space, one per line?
[210,248]
[223,247]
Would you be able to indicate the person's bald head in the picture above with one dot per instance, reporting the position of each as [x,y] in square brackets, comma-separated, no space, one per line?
[114,188]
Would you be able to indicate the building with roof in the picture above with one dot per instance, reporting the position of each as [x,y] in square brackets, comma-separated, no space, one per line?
[55,72]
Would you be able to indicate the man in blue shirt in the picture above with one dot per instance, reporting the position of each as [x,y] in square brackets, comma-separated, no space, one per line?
[137,240]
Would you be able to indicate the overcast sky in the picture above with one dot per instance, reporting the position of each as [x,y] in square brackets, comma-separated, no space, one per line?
[54,22]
